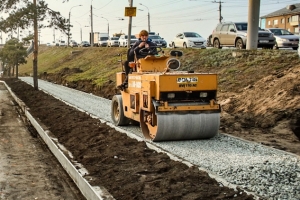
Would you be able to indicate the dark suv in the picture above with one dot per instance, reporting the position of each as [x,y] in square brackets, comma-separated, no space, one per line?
[234,34]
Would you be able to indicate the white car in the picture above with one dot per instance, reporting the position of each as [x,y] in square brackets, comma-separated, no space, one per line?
[113,42]
[62,43]
[284,38]
[124,39]
[189,39]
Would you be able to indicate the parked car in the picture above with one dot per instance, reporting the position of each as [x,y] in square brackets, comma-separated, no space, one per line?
[85,44]
[160,42]
[62,43]
[113,42]
[102,40]
[284,38]
[124,39]
[73,44]
[234,34]
[188,39]
[48,44]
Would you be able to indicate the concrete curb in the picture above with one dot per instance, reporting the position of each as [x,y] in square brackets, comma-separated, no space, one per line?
[93,193]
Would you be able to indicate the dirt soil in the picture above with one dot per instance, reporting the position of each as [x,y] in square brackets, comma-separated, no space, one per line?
[124,166]
[28,169]
[267,112]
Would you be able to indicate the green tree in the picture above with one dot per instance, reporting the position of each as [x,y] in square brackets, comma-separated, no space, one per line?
[20,14]
[27,40]
[25,14]
[13,54]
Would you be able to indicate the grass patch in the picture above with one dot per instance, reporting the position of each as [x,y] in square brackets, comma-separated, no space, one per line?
[100,64]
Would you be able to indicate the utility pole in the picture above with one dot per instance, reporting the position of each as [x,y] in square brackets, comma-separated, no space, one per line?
[129,25]
[69,29]
[220,9]
[149,22]
[253,23]
[92,33]
[35,49]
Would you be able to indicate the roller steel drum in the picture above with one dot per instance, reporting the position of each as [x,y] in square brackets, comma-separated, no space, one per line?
[183,126]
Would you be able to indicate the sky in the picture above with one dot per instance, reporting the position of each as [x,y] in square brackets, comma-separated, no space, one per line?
[167,17]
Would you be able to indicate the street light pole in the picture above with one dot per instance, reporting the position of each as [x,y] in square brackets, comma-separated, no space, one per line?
[69,24]
[148,16]
[80,32]
[107,25]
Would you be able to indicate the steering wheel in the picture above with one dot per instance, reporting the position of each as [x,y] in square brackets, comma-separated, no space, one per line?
[150,51]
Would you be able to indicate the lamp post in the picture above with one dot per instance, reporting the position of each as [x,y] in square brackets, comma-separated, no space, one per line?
[107,25]
[80,32]
[69,24]
[148,16]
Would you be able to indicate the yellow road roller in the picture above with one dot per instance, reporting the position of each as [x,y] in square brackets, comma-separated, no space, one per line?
[168,104]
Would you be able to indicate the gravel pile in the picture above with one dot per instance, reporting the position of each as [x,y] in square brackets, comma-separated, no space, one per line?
[269,173]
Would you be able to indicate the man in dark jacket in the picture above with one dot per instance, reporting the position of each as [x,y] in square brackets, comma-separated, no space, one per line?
[143,43]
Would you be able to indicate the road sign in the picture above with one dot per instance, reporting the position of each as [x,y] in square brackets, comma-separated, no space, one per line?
[130,11]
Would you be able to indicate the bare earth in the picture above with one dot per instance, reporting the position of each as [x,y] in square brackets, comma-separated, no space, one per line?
[28,170]
[267,112]
[124,166]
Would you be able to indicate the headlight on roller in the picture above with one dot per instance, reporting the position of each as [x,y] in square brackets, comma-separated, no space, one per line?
[203,94]
[173,64]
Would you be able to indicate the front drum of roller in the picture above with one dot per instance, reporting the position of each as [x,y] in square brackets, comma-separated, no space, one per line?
[182,126]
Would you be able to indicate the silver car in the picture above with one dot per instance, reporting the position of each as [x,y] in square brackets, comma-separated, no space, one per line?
[234,34]
[284,38]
